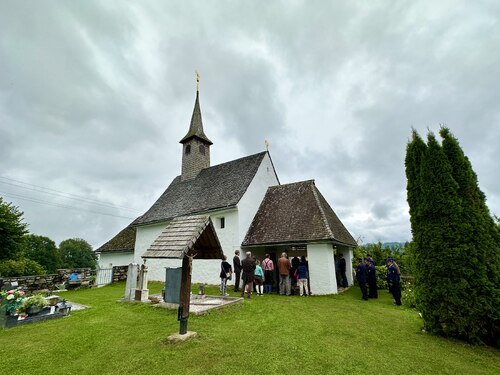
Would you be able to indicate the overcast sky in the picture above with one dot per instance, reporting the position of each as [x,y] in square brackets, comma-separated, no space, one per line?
[95,96]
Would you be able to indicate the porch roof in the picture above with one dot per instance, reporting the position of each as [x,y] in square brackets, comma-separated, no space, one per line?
[187,235]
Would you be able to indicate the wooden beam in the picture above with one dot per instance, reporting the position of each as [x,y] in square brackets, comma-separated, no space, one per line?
[185,293]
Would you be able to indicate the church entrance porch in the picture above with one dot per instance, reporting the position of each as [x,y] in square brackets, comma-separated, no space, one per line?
[321,263]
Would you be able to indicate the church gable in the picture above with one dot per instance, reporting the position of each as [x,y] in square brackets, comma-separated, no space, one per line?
[220,186]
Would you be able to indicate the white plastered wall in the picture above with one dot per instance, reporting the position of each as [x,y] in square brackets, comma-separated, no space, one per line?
[108,260]
[204,271]
[321,268]
[251,200]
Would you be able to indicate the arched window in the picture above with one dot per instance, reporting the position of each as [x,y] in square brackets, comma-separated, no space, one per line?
[202,149]
[188,150]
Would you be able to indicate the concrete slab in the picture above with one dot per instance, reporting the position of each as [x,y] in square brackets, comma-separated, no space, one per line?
[176,337]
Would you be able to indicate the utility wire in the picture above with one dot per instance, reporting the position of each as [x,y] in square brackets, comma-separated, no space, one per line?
[35,200]
[59,193]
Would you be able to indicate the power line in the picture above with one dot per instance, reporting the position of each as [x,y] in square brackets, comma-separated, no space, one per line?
[63,194]
[35,200]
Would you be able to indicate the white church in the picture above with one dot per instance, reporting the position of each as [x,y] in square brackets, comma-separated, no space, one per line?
[250,210]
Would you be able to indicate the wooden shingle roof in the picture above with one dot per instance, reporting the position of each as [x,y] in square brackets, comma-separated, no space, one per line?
[122,242]
[188,235]
[296,213]
[220,186]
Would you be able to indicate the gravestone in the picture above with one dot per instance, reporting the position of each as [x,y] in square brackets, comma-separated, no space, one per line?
[173,285]
[142,293]
[131,282]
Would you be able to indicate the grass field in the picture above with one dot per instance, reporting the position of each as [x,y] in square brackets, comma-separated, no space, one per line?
[264,335]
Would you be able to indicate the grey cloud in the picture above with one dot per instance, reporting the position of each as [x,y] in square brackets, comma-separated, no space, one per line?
[94,97]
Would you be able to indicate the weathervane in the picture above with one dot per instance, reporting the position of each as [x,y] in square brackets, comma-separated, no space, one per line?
[266,143]
[197,75]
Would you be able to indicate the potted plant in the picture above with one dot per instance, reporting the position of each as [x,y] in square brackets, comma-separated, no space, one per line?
[34,304]
[12,300]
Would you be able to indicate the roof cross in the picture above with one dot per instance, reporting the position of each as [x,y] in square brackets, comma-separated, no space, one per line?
[197,75]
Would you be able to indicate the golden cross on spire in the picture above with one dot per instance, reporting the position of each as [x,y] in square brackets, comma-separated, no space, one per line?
[197,75]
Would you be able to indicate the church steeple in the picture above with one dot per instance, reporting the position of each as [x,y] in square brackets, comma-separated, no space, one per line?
[196,145]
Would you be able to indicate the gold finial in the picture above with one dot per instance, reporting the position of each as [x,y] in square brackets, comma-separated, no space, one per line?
[197,80]
[266,143]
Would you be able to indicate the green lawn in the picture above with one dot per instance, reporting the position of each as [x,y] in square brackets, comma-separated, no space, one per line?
[264,335]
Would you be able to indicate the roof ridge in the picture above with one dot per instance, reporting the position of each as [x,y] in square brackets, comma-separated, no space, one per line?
[322,211]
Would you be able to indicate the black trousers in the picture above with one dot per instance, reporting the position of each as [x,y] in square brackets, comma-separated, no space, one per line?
[237,275]
[364,292]
[396,292]
[372,286]
[344,279]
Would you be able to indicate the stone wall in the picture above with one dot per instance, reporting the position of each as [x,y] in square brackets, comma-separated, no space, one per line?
[47,282]
[119,273]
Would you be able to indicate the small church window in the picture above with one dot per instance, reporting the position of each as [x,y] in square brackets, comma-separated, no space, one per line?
[202,149]
[222,222]
[188,149]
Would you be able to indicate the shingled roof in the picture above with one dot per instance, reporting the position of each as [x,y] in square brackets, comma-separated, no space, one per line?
[187,235]
[220,186]
[296,213]
[122,242]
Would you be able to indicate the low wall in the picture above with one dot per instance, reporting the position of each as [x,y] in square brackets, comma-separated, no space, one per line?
[50,282]
[120,273]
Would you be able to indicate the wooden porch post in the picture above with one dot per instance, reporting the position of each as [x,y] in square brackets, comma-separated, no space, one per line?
[183,313]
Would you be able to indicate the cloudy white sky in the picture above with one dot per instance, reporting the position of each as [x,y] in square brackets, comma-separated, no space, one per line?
[95,95]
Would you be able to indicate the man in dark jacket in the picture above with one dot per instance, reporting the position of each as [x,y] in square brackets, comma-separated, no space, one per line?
[343,268]
[248,266]
[237,270]
[372,278]
[393,277]
[361,277]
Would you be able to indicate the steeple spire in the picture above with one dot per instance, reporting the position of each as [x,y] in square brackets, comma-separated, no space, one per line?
[196,126]
[195,144]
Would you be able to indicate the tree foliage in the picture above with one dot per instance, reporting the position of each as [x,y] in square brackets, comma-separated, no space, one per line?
[455,244]
[12,230]
[76,253]
[42,250]
[20,267]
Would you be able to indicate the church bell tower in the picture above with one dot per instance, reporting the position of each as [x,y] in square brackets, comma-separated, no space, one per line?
[195,144]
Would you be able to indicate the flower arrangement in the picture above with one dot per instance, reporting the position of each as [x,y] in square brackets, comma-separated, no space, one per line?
[13,300]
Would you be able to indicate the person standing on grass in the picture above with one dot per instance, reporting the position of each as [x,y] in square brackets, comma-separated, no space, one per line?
[225,274]
[372,278]
[259,277]
[361,277]
[393,278]
[248,266]
[237,270]
[303,274]
[284,271]
[343,269]
[268,266]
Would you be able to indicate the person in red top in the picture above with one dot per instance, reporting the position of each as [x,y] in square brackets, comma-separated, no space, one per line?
[268,267]
[284,270]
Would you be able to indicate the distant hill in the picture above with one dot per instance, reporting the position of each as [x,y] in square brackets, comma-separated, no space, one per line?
[392,245]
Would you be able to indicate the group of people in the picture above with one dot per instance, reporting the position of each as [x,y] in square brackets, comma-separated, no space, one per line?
[366,275]
[259,276]
[293,273]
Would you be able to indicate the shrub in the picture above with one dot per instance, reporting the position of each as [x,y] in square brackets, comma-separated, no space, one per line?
[408,295]
[381,277]
[20,267]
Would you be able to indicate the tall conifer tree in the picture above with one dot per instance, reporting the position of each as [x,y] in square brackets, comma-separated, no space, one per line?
[454,279]
[481,236]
